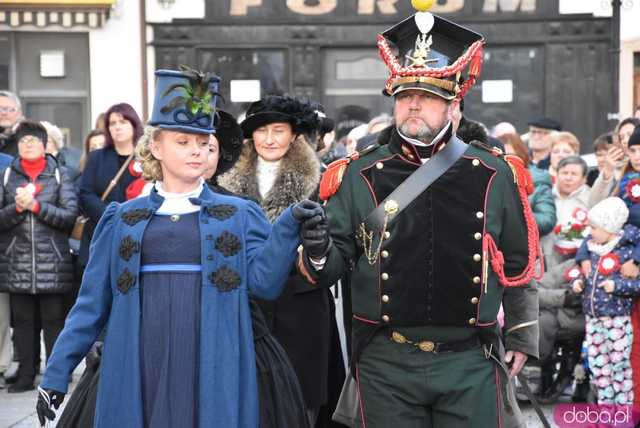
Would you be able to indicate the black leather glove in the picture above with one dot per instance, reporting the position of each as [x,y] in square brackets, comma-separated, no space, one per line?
[48,398]
[307,209]
[315,236]
[572,300]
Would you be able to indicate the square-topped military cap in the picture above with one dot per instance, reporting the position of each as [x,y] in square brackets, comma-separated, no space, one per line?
[430,53]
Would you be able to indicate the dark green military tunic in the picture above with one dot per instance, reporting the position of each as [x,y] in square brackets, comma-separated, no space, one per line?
[427,279]
[429,268]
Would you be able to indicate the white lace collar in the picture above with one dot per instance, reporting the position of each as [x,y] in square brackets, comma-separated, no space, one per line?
[178,203]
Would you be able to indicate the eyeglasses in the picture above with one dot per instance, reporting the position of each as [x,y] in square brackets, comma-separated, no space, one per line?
[8,109]
[29,140]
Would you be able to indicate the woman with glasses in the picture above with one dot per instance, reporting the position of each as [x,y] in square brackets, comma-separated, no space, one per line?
[38,206]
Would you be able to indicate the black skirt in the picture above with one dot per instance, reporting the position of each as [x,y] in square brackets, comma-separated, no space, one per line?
[81,407]
[281,401]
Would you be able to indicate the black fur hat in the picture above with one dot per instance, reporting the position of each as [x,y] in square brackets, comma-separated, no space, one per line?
[229,135]
[276,108]
[27,127]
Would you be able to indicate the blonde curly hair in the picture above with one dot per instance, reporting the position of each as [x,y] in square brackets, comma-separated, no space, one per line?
[151,167]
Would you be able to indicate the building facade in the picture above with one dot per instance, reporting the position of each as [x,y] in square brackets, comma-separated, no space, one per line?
[538,62]
[543,57]
[69,60]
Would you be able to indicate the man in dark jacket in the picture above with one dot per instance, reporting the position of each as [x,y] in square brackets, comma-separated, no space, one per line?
[10,117]
[540,140]
[5,161]
[5,333]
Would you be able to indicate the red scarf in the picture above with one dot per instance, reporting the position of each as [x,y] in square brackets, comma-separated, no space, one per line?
[33,168]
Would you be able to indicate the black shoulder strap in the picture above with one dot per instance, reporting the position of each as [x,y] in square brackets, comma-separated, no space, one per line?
[415,184]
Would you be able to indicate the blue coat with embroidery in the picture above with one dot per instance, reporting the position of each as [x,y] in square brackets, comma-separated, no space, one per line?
[596,302]
[110,297]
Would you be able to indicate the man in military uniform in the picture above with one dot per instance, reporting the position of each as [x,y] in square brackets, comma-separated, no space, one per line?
[430,264]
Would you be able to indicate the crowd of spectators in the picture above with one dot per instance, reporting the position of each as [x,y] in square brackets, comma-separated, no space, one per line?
[45,185]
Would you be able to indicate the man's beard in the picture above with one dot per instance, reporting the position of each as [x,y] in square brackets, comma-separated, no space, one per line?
[424,134]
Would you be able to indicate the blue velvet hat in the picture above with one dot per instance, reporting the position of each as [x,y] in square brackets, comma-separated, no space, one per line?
[185,101]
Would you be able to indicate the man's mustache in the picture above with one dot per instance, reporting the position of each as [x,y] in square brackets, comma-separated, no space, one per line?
[415,117]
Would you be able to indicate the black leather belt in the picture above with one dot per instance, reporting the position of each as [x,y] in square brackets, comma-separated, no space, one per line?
[437,347]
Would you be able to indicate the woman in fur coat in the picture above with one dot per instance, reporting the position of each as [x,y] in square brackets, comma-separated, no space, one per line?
[278,167]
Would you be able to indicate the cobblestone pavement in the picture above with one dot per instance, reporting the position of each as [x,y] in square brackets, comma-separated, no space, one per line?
[17,410]
[532,418]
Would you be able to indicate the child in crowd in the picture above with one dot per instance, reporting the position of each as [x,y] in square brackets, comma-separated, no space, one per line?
[629,190]
[608,300]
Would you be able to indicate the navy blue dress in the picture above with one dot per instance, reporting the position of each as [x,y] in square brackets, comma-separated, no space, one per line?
[170,283]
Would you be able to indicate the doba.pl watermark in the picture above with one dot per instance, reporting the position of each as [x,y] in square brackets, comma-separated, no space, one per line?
[577,415]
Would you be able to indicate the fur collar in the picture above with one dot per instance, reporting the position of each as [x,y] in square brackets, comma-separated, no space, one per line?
[297,178]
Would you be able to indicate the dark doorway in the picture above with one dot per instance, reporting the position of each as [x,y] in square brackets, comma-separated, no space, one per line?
[354,76]
[524,66]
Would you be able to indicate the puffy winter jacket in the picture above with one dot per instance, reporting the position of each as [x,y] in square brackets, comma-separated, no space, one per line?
[596,301]
[541,200]
[34,248]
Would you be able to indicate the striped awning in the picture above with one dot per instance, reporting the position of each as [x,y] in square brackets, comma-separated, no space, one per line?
[61,13]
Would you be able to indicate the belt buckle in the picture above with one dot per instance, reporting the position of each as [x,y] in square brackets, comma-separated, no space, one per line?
[424,345]
[398,338]
[427,346]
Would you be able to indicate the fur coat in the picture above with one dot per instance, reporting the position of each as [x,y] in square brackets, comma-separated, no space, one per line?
[301,318]
[297,179]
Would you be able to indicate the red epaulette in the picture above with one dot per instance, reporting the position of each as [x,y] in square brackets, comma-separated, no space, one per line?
[332,177]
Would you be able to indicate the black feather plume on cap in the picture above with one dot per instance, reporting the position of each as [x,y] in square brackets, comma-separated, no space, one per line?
[230,138]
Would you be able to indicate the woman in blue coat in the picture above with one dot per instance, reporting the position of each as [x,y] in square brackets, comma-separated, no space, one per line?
[171,275]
